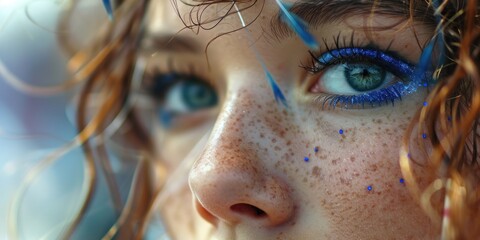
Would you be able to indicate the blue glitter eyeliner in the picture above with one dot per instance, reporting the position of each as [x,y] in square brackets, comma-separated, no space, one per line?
[409,81]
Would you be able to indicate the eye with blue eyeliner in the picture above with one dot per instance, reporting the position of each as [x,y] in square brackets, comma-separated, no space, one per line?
[361,77]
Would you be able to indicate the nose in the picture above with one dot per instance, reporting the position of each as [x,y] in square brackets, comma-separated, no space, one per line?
[232,180]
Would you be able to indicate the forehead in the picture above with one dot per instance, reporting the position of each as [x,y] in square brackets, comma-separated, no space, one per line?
[210,14]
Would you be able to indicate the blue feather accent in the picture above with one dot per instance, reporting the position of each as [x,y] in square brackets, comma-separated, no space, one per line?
[277,92]
[425,61]
[108,7]
[298,26]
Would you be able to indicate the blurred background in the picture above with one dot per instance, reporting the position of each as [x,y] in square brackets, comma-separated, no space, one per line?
[33,127]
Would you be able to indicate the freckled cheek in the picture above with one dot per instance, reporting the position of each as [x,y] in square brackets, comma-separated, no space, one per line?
[355,172]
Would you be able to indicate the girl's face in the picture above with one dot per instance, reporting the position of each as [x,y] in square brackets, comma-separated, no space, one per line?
[326,166]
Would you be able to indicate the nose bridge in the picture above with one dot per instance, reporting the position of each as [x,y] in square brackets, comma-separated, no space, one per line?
[230,180]
[230,149]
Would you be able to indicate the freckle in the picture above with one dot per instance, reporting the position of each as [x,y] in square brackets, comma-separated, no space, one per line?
[352,159]
[316,171]
[277,148]
[274,140]
[289,143]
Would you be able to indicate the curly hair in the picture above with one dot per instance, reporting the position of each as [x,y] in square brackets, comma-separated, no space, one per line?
[450,116]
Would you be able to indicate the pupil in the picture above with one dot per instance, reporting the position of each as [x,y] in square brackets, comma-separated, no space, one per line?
[364,77]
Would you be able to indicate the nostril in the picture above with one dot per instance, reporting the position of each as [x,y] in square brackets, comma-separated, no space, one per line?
[248,210]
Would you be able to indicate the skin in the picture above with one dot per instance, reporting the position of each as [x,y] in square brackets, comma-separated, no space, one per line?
[247,154]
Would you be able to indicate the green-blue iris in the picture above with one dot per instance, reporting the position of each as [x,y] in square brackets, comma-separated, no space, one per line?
[198,95]
[364,77]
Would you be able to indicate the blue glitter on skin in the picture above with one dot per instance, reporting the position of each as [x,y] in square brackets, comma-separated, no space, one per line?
[424,136]
[387,95]
[340,131]
[402,181]
[425,104]
[369,188]
[316,149]
[306,159]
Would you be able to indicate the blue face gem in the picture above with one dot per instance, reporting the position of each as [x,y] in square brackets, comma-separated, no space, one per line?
[316,149]
[340,131]
[425,104]
[424,136]
[370,188]
[306,159]
[402,181]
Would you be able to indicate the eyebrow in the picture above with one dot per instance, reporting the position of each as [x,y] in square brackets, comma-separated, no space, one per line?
[317,12]
[156,42]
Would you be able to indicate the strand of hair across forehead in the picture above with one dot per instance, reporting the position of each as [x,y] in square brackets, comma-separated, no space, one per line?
[277,92]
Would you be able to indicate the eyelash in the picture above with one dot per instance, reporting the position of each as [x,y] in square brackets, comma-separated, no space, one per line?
[370,55]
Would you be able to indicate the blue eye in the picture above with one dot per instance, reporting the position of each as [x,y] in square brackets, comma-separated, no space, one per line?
[362,77]
[181,94]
